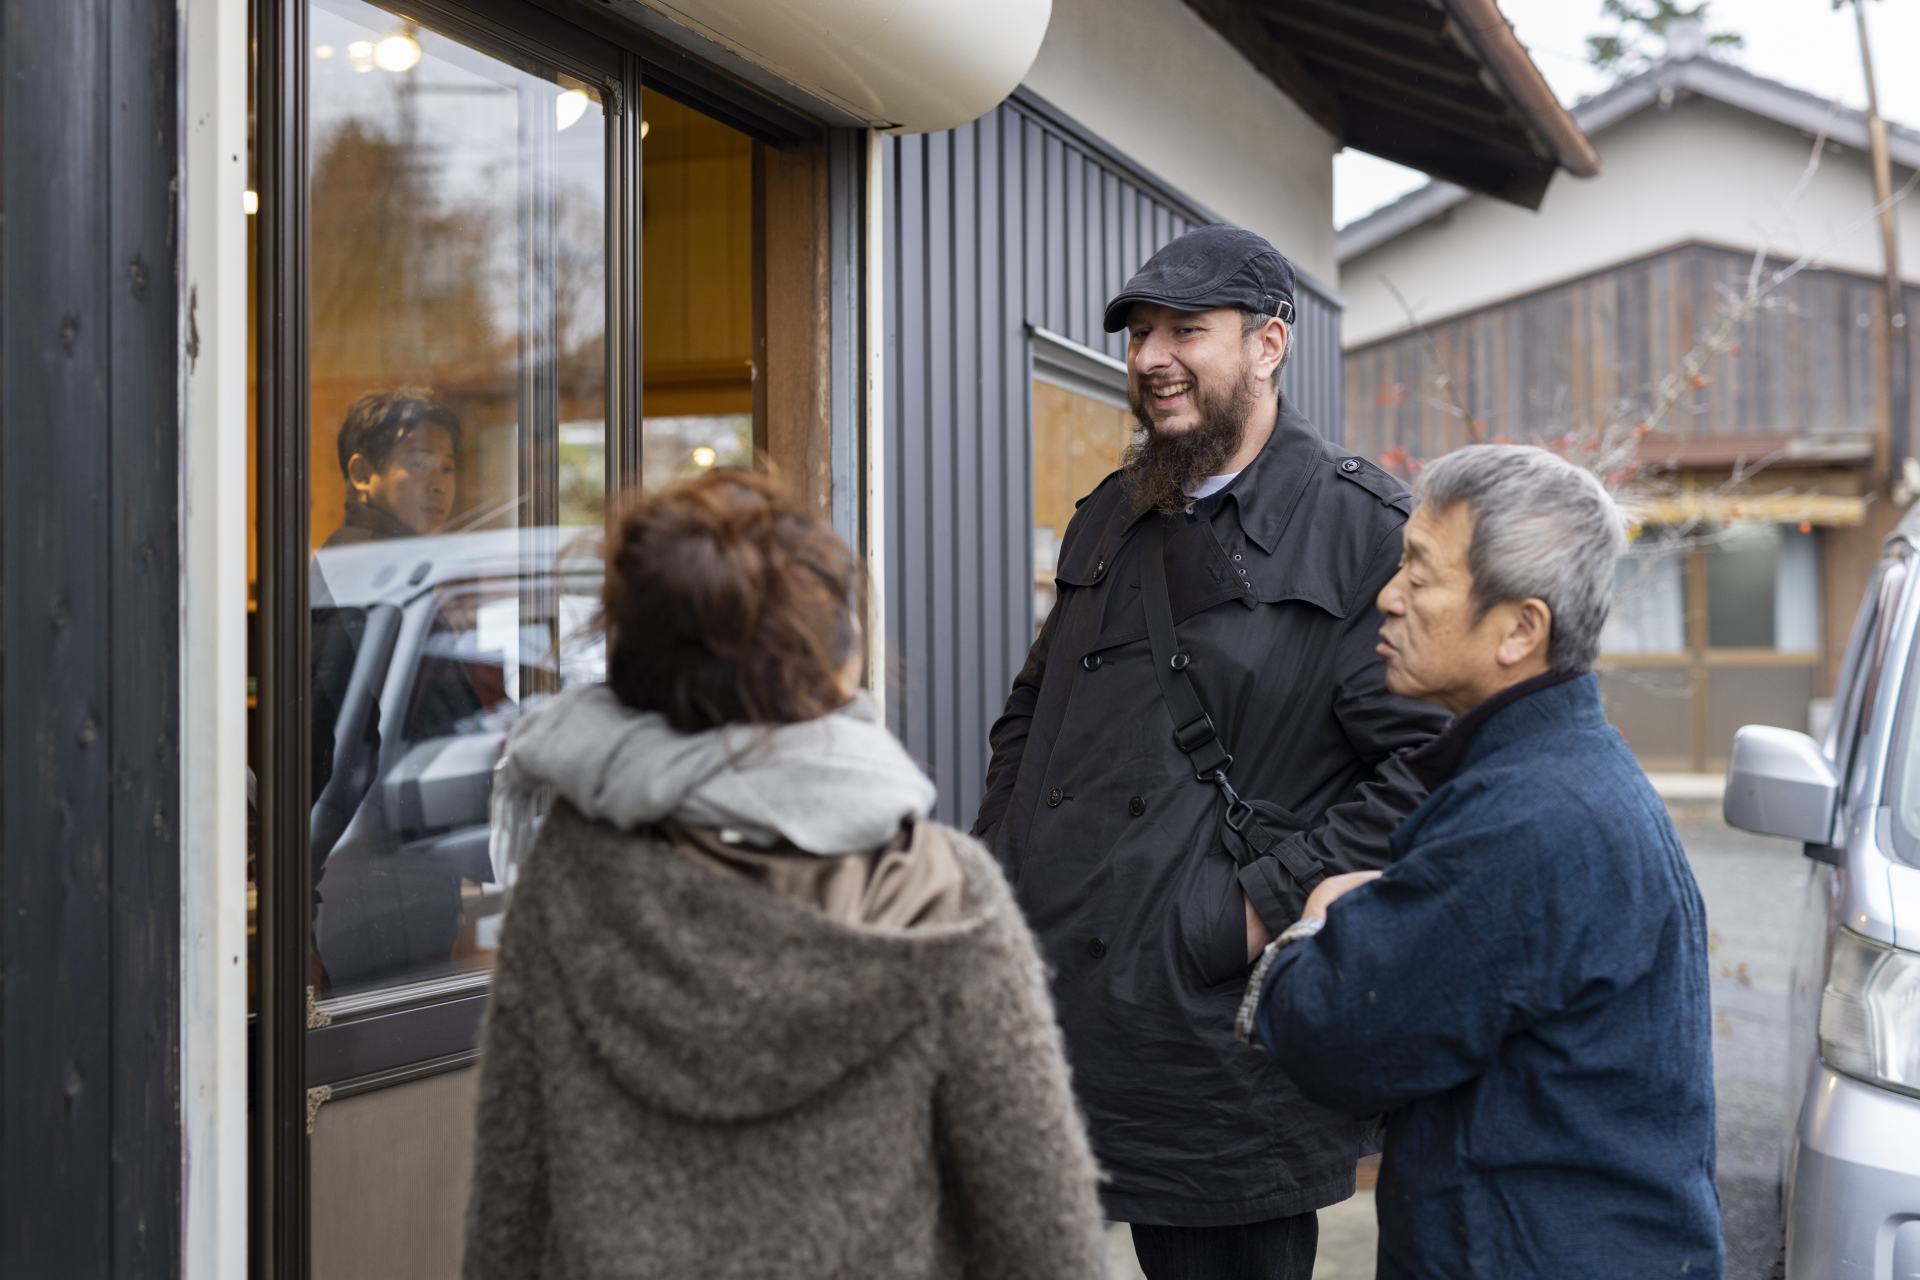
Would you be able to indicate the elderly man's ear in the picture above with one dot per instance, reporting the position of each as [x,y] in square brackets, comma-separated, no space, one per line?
[1529,625]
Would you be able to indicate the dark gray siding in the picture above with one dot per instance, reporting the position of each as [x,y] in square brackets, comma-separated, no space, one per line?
[90,345]
[1018,219]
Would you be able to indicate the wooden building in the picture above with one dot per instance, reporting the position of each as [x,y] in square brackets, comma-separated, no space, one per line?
[1756,439]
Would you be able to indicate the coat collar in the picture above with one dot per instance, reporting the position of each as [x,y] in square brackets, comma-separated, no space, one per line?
[1265,495]
[1550,703]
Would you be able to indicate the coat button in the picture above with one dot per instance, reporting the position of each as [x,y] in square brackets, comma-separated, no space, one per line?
[1091,662]
[1136,806]
[1096,948]
[1054,797]
[1350,466]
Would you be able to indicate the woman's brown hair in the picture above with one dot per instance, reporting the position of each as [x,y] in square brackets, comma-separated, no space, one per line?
[726,602]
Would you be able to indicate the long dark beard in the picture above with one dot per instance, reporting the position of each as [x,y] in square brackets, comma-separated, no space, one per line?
[1158,469]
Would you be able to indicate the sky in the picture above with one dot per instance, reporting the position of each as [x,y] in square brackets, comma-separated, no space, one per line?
[1804,43]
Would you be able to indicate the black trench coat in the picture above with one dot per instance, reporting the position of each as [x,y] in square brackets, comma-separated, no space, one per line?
[1113,846]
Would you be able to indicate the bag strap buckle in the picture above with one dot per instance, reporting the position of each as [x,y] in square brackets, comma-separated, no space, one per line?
[1239,812]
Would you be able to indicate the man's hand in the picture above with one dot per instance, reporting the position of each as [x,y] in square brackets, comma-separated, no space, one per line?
[1258,935]
[1333,888]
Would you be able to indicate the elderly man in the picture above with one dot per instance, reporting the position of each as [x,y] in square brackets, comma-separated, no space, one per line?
[1200,735]
[1523,991]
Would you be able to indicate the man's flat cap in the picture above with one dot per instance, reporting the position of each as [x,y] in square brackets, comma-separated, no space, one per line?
[1217,266]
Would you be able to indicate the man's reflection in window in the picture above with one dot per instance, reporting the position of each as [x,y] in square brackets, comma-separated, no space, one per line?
[399,453]
[382,917]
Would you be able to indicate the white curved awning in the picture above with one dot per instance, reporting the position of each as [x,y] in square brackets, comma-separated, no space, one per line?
[907,66]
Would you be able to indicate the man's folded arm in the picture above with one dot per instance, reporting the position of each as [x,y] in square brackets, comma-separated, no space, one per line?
[1413,984]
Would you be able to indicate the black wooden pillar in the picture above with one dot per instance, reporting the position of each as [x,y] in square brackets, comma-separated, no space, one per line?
[90,366]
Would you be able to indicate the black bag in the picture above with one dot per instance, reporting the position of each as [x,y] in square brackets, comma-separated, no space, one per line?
[1249,829]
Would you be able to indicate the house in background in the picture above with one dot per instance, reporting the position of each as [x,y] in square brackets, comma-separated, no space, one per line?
[1762,493]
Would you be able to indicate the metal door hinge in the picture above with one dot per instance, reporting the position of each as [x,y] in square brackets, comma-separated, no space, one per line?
[316,1016]
[316,1098]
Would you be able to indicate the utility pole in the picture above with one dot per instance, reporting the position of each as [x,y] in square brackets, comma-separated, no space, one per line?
[1893,332]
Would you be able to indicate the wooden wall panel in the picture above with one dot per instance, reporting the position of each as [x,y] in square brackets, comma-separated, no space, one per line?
[90,341]
[1595,349]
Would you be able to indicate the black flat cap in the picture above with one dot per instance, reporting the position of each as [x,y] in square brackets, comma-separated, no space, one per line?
[1217,266]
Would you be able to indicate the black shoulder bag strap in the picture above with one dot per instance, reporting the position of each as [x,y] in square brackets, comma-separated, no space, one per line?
[1246,837]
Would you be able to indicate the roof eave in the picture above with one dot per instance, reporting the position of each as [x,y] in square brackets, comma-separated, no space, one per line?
[1706,76]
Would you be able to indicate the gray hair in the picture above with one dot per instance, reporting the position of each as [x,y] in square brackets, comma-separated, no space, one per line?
[1542,528]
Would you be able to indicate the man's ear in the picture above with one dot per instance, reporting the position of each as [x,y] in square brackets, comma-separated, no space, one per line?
[1528,633]
[1275,338]
[359,473]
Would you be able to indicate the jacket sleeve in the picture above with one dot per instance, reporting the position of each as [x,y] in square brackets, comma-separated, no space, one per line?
[1013,1141]
[1416,979]
[508,1212]
[1351,835]
[1008,736]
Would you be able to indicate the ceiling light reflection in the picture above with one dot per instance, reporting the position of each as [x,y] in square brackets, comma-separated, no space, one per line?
[397,53]
[569,107]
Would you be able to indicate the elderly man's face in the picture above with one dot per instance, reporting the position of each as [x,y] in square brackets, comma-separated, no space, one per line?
[1434,646]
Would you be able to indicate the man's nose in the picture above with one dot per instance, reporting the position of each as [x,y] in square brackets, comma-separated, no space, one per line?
[1390,601]
[1152,353]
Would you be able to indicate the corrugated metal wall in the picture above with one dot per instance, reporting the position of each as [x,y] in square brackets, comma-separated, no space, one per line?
[1015,220]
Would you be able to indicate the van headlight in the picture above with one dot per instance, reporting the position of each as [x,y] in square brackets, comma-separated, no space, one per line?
[1870,1012]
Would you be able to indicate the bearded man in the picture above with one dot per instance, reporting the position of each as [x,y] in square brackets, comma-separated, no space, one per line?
[1201,734]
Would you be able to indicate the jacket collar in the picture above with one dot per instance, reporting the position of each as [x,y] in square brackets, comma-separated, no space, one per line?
[1550,703]
[1551,700]
[1265,494]
[1268,492]
[377,522]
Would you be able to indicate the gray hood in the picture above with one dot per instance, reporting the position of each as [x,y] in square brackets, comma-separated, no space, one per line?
[840,784]
[706,996]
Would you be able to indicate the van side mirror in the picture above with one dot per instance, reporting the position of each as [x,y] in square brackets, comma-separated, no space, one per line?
[1779,783]
[442,784]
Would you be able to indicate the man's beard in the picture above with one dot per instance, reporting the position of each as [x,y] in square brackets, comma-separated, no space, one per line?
[1160,468]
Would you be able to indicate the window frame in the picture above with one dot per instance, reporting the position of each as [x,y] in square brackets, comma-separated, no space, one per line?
[304,1050]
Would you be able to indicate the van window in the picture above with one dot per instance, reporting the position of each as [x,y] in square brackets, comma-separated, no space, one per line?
[1864,689]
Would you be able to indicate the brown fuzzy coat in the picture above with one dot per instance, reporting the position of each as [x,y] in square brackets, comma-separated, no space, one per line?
[688,1074]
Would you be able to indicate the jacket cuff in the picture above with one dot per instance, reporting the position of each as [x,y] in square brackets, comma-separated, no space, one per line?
[1275,897]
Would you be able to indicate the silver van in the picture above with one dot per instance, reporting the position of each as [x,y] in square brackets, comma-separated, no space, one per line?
[1850,1181]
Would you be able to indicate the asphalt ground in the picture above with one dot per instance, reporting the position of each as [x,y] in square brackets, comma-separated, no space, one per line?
[1753,889]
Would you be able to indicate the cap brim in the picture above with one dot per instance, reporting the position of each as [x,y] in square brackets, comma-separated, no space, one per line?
[1116,316]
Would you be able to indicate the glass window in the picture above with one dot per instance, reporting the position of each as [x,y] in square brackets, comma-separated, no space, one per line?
[1077,440]
[697,239]
[458,396]
[1649,613]
[1762,589]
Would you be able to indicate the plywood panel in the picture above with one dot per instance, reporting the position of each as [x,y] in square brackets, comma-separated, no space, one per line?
[390,1173]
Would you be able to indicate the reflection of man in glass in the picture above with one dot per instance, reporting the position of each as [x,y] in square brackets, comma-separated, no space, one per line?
[399,453]
[384,916]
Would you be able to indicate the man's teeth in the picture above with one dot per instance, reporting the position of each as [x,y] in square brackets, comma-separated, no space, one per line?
[1172,390]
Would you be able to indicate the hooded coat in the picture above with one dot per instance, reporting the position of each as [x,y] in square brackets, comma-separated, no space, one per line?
[715,1051]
